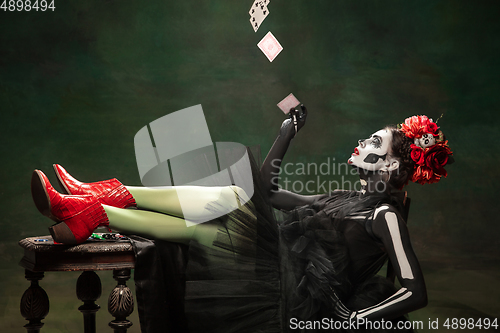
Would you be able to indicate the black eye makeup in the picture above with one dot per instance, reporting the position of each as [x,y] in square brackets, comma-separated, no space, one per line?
[376,142]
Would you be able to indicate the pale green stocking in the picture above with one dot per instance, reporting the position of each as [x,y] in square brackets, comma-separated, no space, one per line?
[159,226]
[164,218]
[189,202]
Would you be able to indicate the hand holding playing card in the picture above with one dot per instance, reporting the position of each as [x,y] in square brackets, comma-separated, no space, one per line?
[288,103]
[296,120]
[299,117]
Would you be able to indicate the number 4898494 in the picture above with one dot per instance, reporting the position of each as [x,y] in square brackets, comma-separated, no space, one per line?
[27,5]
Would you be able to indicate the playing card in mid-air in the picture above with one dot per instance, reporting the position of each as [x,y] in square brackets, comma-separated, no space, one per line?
[258,4]
[270,46]
[258,13]
[288,102]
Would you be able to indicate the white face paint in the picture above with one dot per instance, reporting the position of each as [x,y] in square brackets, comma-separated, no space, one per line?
[425,141]
[372,154]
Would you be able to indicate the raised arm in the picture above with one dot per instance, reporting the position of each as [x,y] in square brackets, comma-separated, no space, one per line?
[270,169]
[391,229]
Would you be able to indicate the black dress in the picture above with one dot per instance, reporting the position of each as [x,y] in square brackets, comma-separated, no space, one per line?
[328,248]
[260,275]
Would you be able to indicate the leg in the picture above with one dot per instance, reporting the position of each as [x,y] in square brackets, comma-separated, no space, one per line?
[158,225]
[193,200]
[188,202]
[81,214]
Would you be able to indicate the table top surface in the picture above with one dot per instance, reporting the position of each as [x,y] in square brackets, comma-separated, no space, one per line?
[46,244]
[41,255]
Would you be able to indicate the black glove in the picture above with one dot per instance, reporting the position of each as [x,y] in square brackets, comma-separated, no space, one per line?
[340,310]
[295,121]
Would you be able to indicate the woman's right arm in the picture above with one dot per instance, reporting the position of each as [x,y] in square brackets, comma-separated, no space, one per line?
[283,199]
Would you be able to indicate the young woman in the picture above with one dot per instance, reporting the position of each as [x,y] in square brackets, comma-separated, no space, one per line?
[316,271]
[339,241]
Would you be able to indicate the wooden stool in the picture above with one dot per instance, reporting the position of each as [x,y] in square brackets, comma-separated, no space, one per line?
[42,255]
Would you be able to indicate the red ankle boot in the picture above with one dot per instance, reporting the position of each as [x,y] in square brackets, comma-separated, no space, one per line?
[79,215]
[109,192]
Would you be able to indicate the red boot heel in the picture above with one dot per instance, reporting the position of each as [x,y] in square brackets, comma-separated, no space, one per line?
[61,233]
[109,192]
[80,214]
[40,189]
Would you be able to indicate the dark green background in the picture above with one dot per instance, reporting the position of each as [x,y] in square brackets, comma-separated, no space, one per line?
[76,85]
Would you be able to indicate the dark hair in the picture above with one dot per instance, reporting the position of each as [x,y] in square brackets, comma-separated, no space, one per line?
[401,149]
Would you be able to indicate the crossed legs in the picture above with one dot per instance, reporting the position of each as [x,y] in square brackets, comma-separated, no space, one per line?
[162,212]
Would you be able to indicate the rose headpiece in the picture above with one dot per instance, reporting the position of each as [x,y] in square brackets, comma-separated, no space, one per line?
[429,150]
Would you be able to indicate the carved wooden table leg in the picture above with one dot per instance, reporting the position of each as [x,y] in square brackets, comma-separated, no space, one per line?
[88,290]
[34,303]
[121,302]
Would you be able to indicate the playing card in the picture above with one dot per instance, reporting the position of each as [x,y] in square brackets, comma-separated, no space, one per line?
[256,21]
[270,46]
[258,4]
[258,13]
[288,102]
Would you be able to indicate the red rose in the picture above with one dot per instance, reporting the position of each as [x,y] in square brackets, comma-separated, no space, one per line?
[436,158]
[432,128]
[432,168]
[417,154]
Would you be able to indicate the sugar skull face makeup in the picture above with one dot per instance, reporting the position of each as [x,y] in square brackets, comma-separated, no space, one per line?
[372,154]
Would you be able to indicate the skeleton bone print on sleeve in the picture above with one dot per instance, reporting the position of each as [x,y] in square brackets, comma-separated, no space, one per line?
[392,231]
